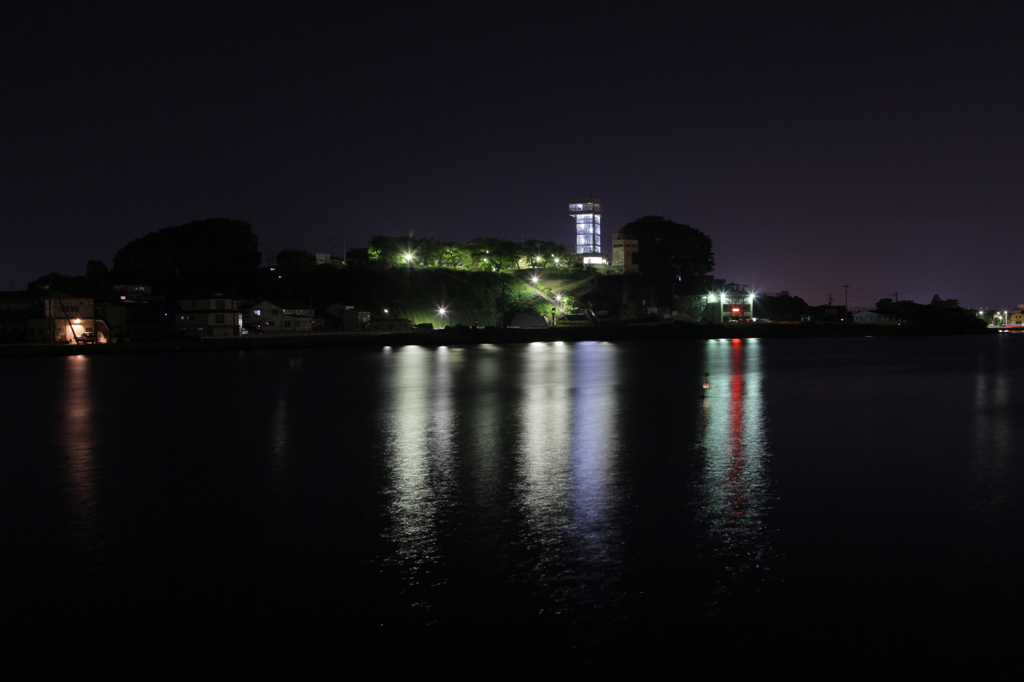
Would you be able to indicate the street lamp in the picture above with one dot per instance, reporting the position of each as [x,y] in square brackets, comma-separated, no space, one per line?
[442,311]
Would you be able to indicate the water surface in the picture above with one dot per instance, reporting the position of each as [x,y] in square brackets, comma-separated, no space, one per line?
[837,498]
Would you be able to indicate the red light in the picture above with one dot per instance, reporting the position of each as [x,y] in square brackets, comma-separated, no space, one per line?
[735,310]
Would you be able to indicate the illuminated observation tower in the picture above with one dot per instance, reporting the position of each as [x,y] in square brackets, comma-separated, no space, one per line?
[588,226]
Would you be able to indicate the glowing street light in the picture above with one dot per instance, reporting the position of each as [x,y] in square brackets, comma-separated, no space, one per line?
[442,311]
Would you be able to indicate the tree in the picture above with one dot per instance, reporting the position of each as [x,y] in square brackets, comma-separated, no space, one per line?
[780,307]
[937,302]
[538,253]
[96,278]
[386,250]
[668,248]
[211,254]
[296,261]
[70,285]
[358,257]
[491,253]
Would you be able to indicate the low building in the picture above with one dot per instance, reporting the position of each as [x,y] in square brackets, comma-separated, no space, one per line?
[624,251]
[57,317]
[16,308]
[346,318]
[729,303]
[133,292]
[280,317]
[871,317]
[825,313]
[213,316]
[389,325]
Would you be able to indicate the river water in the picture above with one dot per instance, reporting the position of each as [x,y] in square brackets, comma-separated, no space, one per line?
[839,502]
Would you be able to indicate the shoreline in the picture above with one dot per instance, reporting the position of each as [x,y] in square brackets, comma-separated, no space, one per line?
[457,336]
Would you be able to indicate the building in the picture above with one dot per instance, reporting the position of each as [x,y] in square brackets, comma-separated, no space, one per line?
[825,313]
[133,292]
[731,303]
[213,316]
[270,317]
[588,226]
[16,308]
[57,317]
[871,317]
[389,325]
[623,253]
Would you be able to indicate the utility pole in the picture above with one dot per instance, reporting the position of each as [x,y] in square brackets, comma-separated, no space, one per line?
[846,301]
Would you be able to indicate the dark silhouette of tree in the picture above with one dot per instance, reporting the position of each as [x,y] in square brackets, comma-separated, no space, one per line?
[296,261]
[358,257]
[668,248]
[96,279]
[940,315]
[780,307]
[216,253]
[71,285]
[937,302]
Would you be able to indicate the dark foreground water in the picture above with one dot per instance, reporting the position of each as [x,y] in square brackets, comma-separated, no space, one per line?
[826,506]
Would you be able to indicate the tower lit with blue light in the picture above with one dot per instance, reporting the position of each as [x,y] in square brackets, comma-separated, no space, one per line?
[588,226]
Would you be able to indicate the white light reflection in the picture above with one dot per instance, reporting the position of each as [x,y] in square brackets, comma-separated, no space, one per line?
[482,426]
[79,442]
[527,432]
[567,486]
[597,374]
[418,433]
[279,440]
[733,488]
[545,429]
[994,465]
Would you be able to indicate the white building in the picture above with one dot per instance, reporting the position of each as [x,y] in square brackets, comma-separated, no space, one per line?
[588,226]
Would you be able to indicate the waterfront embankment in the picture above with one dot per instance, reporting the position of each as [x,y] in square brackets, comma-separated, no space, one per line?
[461,335]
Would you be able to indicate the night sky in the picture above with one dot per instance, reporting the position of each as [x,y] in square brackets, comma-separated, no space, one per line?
[879,145]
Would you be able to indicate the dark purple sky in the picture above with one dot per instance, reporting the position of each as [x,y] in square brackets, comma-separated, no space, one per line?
[879,145]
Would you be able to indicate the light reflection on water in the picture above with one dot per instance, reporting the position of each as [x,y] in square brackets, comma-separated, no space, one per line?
[417,439]
[994,463]
[733,492]
[78,440]
[567,485]
[537,465]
